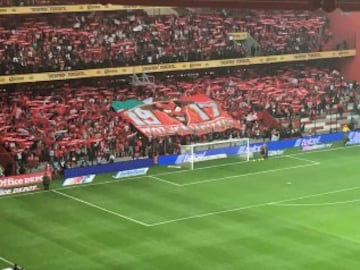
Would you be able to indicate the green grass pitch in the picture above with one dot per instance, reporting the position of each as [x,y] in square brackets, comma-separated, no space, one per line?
[292,212]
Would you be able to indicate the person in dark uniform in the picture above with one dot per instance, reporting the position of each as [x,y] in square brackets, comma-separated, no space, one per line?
[46,182]
[264,151]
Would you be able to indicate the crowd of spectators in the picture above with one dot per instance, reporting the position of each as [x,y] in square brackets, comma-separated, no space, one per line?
[281,91]
[73,124]
[11,3]
[54,42]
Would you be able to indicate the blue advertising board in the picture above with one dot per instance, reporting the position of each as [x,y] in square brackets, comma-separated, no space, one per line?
[130,173]
[175,159]
[255,147]
[354,138]
[110,167]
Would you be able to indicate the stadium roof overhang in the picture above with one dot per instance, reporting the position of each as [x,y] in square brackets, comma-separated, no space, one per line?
[327,5]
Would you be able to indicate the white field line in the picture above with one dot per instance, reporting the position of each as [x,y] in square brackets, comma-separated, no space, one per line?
[317,204]
[315,195]
[6,261]
[293,156]
[303,159]
[101,208]
[184,171]
[24,194]
[204,168]
[275,157]
[163,180]
[248,174]
[250,207]
[208,214]
[155,177]
[312,162]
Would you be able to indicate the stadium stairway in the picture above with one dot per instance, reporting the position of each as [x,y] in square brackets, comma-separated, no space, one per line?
[326,123]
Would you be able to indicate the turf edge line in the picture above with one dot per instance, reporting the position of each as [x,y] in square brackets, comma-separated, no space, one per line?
[101,208]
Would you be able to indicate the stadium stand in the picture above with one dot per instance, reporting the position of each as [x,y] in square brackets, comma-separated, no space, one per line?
[9,3]
[74,124]
[30,43]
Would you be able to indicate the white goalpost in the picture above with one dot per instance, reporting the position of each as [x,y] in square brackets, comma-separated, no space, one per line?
[190,154]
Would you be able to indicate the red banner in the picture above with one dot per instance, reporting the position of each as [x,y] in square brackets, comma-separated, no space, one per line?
[187,115]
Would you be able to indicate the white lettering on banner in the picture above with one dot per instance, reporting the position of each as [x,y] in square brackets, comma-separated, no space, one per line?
[160,131]
[276,153]
[202,157]
[316,147]
[129,173]
[17,190]
[135,118]
[253,149]
[307,141]
[214,107]
[210,125]
[354,138]
[143,117]
[201,114]
[147,116]
[25,189]
[79,180]
[21,180]
[4,192]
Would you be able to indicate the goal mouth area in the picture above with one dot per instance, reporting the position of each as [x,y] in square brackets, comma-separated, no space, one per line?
[195,153]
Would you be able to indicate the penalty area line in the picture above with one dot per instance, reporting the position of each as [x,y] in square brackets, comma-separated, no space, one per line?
[208,214]
[164,181]
[317,204]
[252,206]
[282,202]
[249,174]
[303,159]
[100,208]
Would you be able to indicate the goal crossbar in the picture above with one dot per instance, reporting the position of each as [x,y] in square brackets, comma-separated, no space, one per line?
[189,154]
[217,142]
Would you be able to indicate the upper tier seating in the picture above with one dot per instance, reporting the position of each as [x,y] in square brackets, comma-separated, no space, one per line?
[10,3]
[53,42]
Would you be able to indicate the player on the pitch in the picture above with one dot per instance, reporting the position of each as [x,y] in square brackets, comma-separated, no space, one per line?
[264,151]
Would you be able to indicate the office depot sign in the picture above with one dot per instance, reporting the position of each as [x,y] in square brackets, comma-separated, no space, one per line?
[20,183]
[10,191]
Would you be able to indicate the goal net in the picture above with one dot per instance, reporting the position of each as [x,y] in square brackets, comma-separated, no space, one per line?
[193,153]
